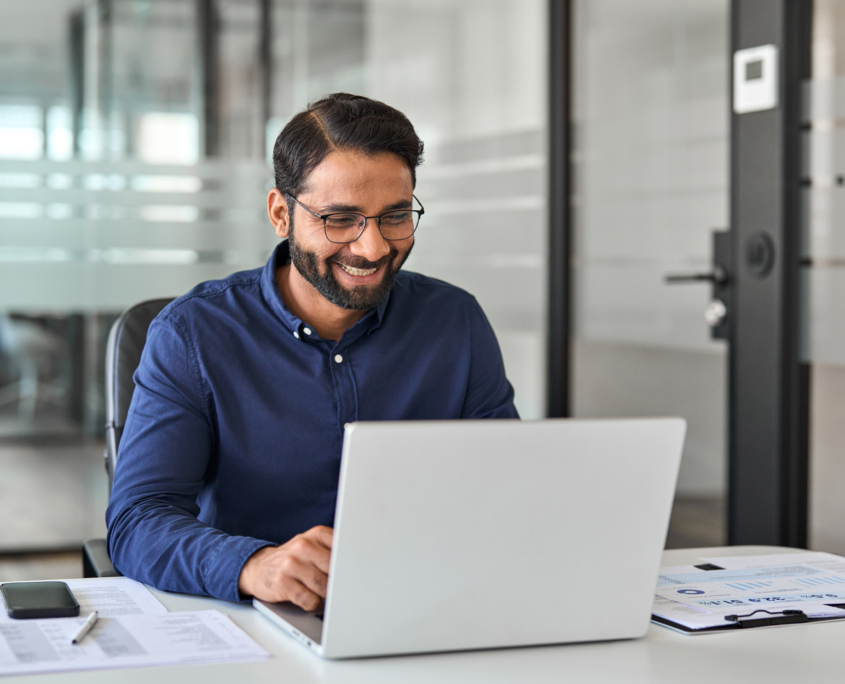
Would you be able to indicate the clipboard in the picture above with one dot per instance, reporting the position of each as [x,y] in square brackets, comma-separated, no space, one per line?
[747,592]
[772,618]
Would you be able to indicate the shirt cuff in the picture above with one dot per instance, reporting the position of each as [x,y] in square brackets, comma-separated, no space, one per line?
[223,569]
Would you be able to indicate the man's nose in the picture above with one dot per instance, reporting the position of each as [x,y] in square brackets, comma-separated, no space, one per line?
[371,245]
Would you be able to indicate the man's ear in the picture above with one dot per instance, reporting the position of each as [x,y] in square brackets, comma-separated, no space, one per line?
[277,210]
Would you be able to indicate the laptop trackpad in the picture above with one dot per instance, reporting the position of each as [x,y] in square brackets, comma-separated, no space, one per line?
[310,623]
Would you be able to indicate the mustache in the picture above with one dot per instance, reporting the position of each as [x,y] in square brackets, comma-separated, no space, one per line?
[360,262]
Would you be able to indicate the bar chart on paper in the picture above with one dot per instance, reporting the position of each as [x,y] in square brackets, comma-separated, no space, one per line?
[748,586]
[821,581]
[752,586]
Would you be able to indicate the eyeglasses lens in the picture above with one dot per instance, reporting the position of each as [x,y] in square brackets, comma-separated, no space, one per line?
[397,225]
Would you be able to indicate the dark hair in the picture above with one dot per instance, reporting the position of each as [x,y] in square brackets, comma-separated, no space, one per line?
[341,121]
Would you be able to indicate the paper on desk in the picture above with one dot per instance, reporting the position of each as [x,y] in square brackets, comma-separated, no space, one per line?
[30,646]
[698,599]
[112,597]
[815,559]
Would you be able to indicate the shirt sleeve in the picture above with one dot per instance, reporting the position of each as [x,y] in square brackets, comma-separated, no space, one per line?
[489,394]
[154,535]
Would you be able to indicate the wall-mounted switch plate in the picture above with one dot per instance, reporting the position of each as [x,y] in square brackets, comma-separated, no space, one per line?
[755,79]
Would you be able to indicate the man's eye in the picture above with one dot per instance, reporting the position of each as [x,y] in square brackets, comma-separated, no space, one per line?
[396,217]
[342,221]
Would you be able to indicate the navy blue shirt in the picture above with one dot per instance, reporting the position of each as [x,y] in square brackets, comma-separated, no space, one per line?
[234,433]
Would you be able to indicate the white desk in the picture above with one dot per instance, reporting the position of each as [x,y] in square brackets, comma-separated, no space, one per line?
[795,653]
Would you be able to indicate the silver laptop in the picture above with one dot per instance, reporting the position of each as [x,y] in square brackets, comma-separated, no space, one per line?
[462,535]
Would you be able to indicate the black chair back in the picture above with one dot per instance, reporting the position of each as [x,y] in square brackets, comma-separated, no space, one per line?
[123,354]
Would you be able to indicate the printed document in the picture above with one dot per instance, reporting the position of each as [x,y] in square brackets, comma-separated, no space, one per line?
[111,597]
[208,636]
[697,599]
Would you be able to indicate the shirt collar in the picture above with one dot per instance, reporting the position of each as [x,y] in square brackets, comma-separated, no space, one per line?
[270,289]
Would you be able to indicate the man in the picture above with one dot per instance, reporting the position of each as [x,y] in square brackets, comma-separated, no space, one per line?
[228,467]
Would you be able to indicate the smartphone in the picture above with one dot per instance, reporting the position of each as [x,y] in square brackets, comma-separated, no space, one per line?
[39,600]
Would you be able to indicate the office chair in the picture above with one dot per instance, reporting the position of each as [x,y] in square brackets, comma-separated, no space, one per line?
[123,354]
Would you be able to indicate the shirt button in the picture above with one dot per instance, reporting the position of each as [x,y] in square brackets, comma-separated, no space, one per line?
[346,425]
[296,334]
[338,358]
[307,331]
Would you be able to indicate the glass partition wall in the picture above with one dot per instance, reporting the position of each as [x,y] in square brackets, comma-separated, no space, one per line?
[651,181]
[134,146]
[823,261]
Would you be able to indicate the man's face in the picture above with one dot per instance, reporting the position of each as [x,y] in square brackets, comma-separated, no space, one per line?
[356,275]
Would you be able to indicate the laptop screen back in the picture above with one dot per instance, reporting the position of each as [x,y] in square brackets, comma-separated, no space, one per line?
[479,534]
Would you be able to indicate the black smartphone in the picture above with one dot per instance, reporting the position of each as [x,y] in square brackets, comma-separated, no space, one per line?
[39,600]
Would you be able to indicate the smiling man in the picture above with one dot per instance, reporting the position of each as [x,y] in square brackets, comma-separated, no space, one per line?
[226,480]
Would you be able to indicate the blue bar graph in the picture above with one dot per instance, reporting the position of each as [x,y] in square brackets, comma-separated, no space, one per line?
[820,581]
[746,586]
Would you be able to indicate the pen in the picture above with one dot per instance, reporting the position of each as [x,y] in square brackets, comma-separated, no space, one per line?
[85,628]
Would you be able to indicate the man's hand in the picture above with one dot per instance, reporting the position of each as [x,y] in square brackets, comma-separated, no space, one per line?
[297,571]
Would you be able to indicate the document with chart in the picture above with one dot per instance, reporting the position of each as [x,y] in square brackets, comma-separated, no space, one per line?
[747,591]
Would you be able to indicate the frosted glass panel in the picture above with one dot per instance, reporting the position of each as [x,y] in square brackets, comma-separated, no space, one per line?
[823,278]
[128,231]
[823,212]
[472,77]
[110,193]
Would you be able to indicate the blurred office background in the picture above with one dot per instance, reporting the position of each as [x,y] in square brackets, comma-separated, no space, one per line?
[134,145]
[135,137]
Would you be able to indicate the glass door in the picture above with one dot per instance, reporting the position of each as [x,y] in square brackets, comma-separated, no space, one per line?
[651,184]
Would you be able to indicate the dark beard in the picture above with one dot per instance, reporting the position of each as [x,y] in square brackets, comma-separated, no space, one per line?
[360,298]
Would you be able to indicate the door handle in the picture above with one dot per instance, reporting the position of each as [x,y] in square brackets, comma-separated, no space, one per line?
[718,276]
[718,312]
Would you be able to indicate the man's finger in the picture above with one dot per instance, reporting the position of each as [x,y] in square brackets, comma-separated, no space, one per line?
[320,558]
[296,569]
[310,551]
[321,534]
[313,561]
[314,580]
[302,596]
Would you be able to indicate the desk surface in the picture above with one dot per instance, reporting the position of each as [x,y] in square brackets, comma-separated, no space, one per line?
[778,654]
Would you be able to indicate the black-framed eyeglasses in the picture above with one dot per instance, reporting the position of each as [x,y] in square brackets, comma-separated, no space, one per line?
[348,226]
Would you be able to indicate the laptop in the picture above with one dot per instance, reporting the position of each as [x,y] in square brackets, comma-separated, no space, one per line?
[458,535]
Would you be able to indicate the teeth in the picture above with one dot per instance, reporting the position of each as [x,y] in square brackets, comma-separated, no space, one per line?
[358,271]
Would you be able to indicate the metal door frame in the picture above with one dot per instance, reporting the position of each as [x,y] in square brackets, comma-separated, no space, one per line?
[559,203]
[768,385]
